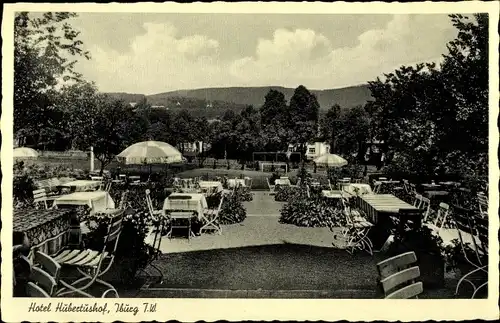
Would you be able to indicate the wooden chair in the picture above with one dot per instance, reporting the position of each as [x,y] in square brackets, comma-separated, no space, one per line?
[90,263]
[356,231]
[472,231]
[376,187]
[440,219]
[40,196]
[212,218]
[417,201]
[44,276]
[483,204]
[425,204]
[181,220]
[271,187]
[398,276]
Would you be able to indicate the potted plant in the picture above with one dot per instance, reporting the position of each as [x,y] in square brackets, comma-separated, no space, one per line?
[428,250]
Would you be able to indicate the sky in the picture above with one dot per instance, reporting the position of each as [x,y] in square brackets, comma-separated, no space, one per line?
[151,53]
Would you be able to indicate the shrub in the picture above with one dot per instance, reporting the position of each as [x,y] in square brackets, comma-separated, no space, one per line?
[314,212]
[232,210]
[245,193]
[284,193]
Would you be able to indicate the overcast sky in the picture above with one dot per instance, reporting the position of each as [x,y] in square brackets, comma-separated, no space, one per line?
[152,53]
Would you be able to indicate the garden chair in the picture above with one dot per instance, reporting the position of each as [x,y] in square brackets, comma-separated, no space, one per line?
[376,187]
[154,236]
[440,220]
[212,219]
[90,263]
[271,187]
[40,196]
[96,178]
[417,201]
[473,237]
[356,231]
[425,204]
[44,276]
[398,276]
[483,204]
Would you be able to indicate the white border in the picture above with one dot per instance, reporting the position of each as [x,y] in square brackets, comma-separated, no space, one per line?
[256,309]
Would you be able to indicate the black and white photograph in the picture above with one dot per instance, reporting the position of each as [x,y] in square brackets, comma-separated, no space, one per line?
[237,155]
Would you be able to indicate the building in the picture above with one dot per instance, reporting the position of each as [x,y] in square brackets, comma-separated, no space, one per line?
[194,148]
[313,150]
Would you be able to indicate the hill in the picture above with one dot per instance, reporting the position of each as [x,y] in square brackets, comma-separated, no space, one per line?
[345,97]
[213,102]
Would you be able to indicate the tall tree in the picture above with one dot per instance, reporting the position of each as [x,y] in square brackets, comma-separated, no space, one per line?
[43,49]
[329,126]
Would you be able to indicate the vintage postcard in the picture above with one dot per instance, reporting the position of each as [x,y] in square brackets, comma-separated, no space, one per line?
[250,161]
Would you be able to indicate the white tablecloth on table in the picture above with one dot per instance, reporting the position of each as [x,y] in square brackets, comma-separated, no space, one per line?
[82,185]
[232,182]
[333,194]
[282,182]
[197,203]
[206,185]
[101,200]
[362,189]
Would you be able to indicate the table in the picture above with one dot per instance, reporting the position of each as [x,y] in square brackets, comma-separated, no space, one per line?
[232,182]
[379,209]
[207,185]
[82,185]
[373,204]
[99,201]
[45,230]
[431,187]
[332,194]
[282,182]
[186,202]
[357,189]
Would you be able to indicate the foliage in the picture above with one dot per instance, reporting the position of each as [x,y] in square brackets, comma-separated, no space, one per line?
[316,212]
[284,193]
[245,193]
[43,49]
[232,210]
[433,120]
[304,176]
[418,240]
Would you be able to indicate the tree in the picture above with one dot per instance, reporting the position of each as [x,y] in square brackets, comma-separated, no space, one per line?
[329,126]
[182,128]
[42,50]
[302,117]
[436,119]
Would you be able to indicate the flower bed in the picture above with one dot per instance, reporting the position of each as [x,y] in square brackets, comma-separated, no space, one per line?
[232,210]
[311,212]
[284,193]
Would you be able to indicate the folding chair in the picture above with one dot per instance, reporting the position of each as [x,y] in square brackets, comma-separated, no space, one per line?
[425,204]
[330,185]
[476,228]
[212,218]
[44,276]
[356,231]
[154,236]
[271,187]
[440,219]
[417,201]
[89,263]
[398,276]
[483,204]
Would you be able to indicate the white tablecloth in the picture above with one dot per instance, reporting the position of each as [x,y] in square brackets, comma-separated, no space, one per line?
[206,185]
[332,194]
[100,199]
[232,182]
[197,202]
[82,185]
[282,182]
[362,189]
